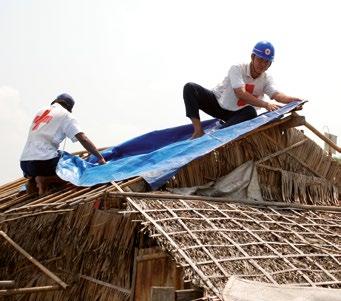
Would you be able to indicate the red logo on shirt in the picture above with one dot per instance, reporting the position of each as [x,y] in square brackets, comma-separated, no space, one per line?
[43,118]
[249,88]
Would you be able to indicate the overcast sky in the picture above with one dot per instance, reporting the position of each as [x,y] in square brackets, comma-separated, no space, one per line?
[125,61]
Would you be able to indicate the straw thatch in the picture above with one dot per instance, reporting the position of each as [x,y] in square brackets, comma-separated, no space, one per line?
[79,246]
[290,166]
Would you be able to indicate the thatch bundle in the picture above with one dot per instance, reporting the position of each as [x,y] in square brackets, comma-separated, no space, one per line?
[81,247]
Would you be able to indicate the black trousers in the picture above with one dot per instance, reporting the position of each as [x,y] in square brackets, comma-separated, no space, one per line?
[198,98]
[36,168]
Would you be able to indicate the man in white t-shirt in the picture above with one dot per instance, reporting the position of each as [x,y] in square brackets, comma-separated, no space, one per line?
[49,128]
[235,99]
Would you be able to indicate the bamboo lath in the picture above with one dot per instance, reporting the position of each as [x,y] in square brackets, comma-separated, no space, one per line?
[213,241]
[18,206]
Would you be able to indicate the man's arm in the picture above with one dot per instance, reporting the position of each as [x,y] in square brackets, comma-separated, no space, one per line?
[281,97]
[253,100]
[90,147]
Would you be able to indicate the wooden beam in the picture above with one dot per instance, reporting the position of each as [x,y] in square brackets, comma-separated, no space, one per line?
[133,276]
[296,120]
[223,199]
[162,294]
[151,256]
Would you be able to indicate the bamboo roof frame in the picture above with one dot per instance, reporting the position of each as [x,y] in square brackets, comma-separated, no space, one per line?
[154,210]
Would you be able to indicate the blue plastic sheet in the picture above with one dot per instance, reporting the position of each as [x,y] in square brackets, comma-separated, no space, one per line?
[158,155]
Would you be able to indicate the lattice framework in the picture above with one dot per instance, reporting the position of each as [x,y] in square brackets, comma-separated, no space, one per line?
[213,241]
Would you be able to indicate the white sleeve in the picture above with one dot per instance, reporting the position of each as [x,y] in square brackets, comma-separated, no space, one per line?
[236,78]
[71,127]
[269,87]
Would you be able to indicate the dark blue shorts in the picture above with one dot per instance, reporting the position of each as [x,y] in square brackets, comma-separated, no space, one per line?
[36,168]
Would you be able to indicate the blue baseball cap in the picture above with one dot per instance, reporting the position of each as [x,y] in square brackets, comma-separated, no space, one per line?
[67,100]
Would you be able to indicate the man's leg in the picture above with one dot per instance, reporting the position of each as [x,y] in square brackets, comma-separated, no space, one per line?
[31,186]
[234,117]
[47,175]
[43,183]
[28,171]
[41,174]
[198,98]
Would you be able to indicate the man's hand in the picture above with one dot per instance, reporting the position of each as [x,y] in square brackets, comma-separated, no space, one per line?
[90,147]
[102,161]
[283,98]
[271,107]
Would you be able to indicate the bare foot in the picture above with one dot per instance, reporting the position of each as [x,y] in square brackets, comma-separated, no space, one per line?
[31,186]
[41,185]
[197,135]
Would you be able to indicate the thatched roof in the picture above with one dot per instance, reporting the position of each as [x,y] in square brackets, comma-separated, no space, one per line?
[93,250]
[291,167]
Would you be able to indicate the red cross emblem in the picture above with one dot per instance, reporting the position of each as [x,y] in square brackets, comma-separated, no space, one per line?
[43,118]
[249,88]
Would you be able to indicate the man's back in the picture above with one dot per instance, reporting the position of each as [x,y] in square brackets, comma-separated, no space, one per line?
[49,128]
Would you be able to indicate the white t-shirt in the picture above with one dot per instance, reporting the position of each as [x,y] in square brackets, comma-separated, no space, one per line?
[239,76]
[49,128]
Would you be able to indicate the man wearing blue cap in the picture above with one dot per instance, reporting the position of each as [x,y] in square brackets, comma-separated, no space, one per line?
[49,128]
[235,99]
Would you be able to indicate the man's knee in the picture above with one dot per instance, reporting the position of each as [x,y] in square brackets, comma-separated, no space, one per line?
[250,112]
[188,88]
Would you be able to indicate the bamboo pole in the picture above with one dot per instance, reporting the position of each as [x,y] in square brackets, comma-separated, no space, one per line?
[6,283]
[12,184]
[323,137]
[282,151]
[28,290]
[109,285]
[15,201]
[82,152]
[34,261]
[222,199]
[292,155]
[24,215]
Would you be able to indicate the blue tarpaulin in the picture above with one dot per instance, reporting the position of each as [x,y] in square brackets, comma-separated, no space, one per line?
[158,155]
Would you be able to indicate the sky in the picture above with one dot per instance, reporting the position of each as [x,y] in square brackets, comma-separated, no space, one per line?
[125,62]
